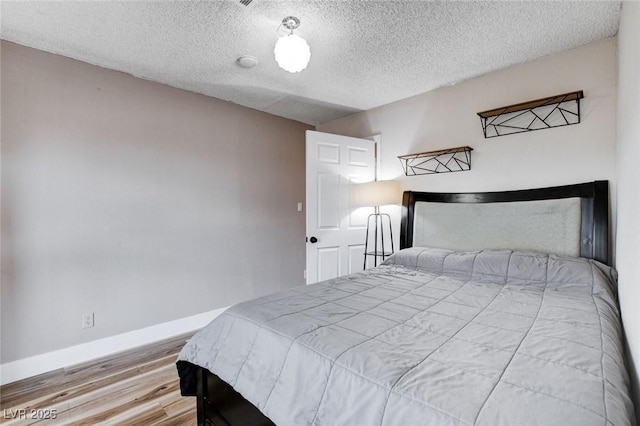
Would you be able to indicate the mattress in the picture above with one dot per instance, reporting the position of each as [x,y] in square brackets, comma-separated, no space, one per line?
[430,337]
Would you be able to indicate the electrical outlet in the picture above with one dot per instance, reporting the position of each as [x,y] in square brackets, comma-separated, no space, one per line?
[87,320]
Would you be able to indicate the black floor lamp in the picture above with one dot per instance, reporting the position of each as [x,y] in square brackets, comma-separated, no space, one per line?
[375,194]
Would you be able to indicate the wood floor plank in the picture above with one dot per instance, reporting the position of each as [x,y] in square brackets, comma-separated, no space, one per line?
[123,360]
[186,418]
[175,404]
[131,391]
[13,393]
[143,414]
[60,409]
[139,387]
[60,418]
[53,400]
[31,383]
[17,393]
[161,362]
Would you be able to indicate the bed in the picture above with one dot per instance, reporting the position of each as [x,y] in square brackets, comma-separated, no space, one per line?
[499,309]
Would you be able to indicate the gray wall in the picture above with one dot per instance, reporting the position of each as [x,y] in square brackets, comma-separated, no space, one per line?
[137,201]
[628,150]
[446,118]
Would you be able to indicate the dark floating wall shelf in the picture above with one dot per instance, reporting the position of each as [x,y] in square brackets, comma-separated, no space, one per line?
[442,161]
[554,111]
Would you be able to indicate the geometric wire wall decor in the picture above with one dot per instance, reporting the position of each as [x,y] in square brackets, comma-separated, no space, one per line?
[443,161]
[554,111]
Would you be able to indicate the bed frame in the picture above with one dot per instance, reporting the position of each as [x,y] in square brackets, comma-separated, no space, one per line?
[219,404]
[594,197]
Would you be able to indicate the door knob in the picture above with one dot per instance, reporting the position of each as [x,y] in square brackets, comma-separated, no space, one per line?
[313,240]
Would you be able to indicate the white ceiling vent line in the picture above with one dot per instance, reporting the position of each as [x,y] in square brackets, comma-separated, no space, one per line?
[242,3]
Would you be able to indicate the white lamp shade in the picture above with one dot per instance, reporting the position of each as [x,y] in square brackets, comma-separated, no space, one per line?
[377,193]
[292,53]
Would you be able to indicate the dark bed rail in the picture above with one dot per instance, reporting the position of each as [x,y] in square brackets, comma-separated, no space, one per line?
[219,404]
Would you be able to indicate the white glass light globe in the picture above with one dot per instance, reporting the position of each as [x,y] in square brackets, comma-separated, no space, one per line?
[292,53]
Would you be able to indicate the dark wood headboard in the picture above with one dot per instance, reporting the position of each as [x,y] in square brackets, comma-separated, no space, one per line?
[594,197]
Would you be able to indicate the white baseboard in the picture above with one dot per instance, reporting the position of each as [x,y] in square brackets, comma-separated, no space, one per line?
[32,366]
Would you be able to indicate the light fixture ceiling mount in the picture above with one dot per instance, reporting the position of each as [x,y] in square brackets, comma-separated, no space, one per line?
[292,52]
[291,23]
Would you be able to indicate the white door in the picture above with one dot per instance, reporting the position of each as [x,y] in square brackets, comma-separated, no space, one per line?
[336,230]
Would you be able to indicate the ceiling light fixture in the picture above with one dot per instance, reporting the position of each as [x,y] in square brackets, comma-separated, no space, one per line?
[292,52]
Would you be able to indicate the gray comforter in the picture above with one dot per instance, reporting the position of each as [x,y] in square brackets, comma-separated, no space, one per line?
[431,337]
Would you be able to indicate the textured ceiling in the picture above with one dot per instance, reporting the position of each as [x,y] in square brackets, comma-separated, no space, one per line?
[363,53]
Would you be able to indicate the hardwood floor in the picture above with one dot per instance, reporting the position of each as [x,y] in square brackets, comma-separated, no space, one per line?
[137,387]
